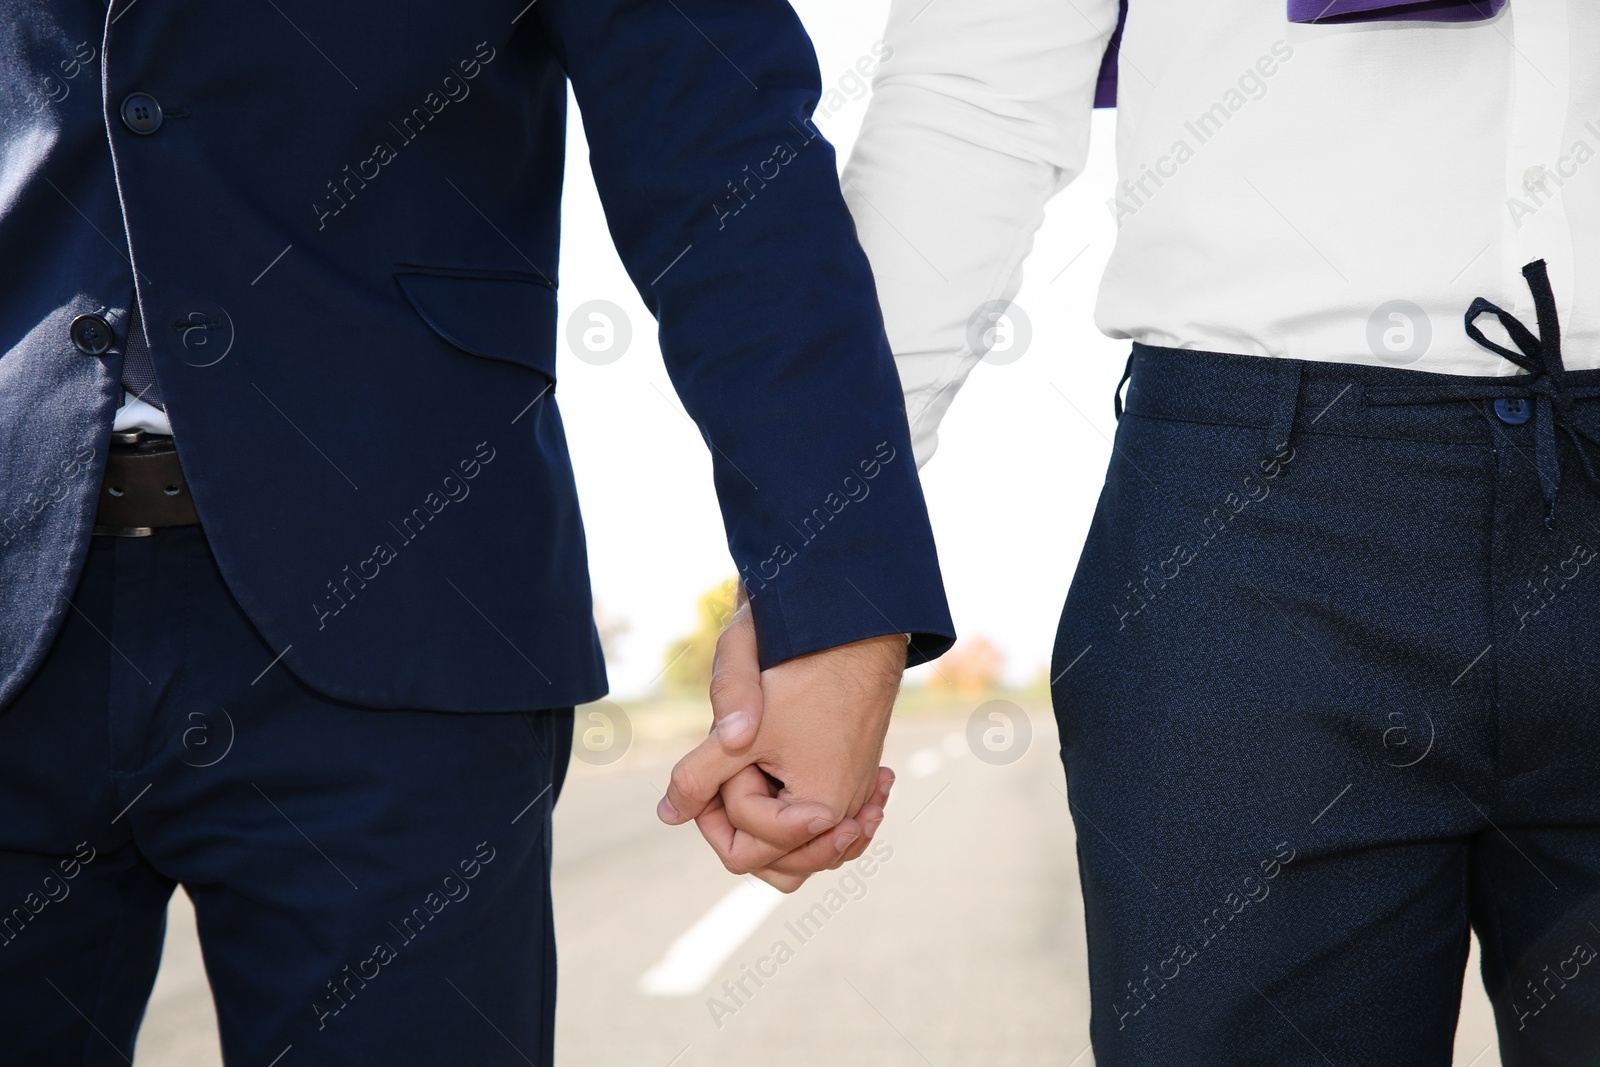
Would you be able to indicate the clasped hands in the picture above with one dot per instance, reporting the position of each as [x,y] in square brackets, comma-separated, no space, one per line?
[788,784]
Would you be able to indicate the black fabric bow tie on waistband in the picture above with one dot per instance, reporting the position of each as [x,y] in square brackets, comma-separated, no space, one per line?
[1546,384]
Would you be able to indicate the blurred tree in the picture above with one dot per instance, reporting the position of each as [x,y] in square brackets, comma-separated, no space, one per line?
[611,629]
[971,669]
[689,658]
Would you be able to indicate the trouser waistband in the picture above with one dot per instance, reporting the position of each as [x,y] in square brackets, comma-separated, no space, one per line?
[1550,404]
[1308,396]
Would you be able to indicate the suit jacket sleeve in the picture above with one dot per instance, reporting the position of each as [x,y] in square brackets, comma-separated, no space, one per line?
[724,204]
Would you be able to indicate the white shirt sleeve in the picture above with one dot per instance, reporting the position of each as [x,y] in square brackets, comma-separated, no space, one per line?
[979,115]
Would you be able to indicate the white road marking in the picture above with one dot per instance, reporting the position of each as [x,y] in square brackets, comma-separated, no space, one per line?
[692,959]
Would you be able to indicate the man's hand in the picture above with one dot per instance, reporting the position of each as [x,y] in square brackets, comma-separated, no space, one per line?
[788,783]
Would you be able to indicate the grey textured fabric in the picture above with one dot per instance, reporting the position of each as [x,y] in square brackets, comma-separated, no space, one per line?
[58,407]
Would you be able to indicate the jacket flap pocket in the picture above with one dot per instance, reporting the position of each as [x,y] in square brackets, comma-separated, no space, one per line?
[503,315]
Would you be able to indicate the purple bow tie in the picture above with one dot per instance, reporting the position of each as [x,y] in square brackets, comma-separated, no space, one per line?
[1321,11]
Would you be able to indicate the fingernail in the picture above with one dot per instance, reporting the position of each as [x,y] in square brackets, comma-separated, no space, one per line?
[872,827]
[667,813]
[817,825]
[888,787]
[844,841]
[734,728]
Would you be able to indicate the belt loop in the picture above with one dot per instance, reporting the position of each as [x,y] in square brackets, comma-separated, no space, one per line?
[1280,426]
[1116,394]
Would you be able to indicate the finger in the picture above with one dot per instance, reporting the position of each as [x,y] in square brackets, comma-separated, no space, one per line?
[871,817]
[765,818]
[714,826]
[827,852]
[719,833]
[696,779]
[872,814]
[820,853]
[783,883]
[805,843]
[736,703]
[739,852]
[735,719]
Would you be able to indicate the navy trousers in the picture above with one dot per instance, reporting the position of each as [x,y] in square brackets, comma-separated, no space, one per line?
[1328,683]
[370,886]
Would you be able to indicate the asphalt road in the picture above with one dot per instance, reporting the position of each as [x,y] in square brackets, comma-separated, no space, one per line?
[963,945]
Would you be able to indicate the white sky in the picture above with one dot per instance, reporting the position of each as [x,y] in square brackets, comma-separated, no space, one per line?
[1011,491]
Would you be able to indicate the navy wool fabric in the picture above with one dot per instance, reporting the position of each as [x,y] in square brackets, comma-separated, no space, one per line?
[370,886]
[343,252]
[1328,688]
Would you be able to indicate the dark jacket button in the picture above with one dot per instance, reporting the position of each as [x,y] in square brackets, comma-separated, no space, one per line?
[91,334]
[141,113]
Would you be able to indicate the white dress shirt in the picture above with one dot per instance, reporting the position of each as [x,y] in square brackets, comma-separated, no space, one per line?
[135,414]
[1336,193]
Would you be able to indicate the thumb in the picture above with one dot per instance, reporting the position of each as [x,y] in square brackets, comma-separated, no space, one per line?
[736,707]
[736,681]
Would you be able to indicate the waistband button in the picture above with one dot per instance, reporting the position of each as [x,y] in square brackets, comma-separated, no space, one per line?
[1513,410]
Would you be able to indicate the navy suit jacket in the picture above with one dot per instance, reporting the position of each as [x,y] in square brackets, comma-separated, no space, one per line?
[342,244]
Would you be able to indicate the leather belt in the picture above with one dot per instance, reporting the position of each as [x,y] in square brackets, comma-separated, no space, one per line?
[144,488]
